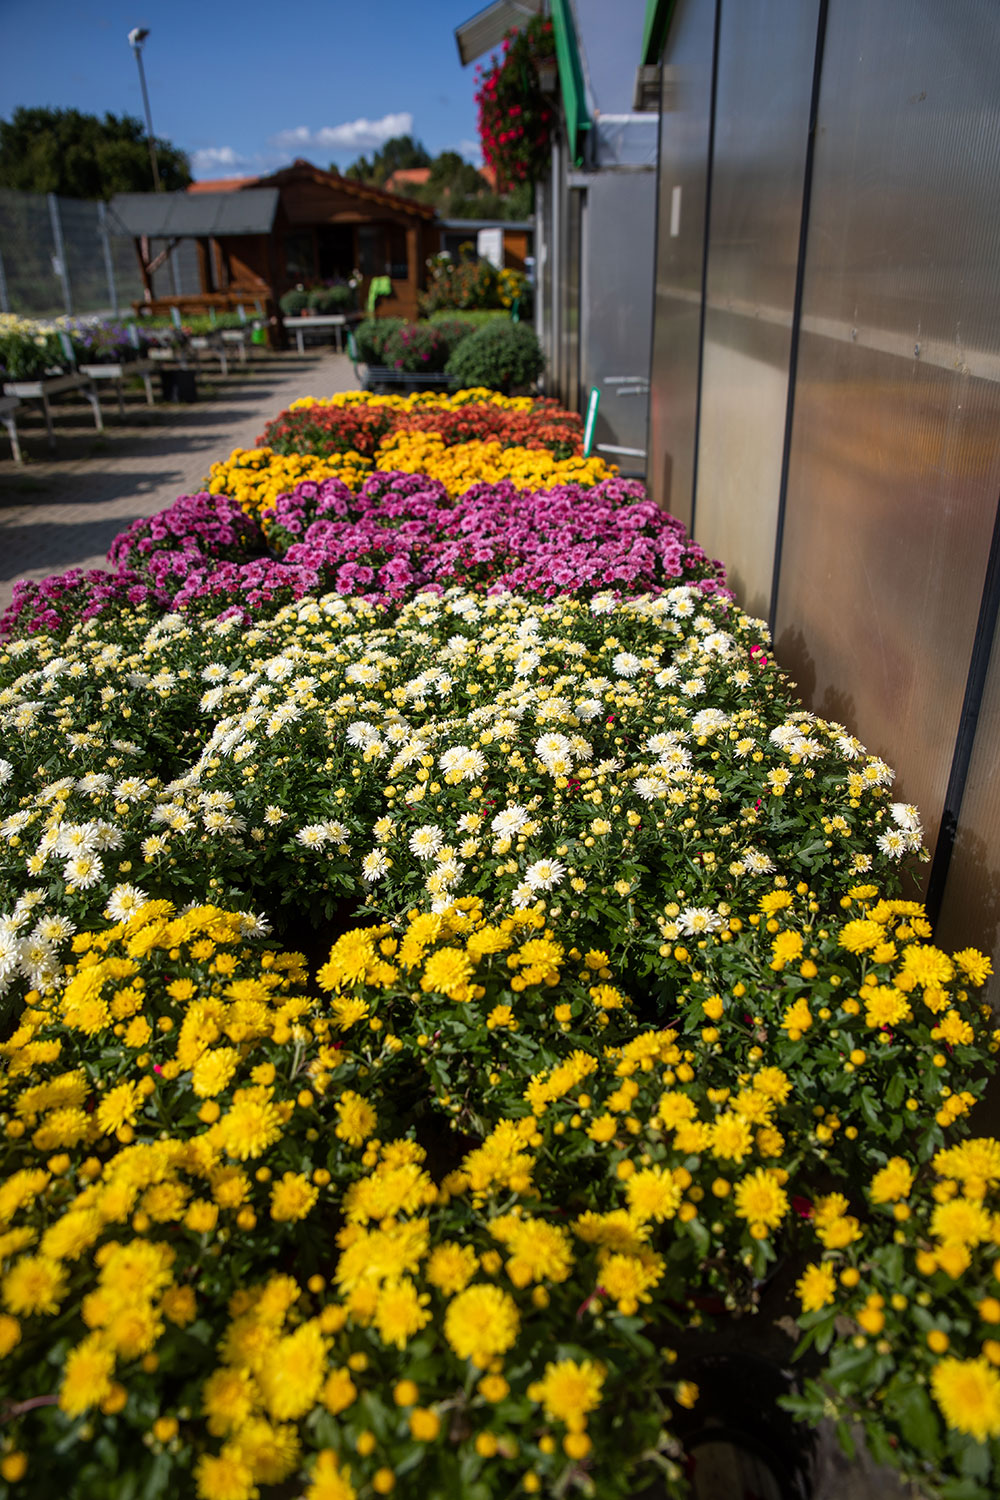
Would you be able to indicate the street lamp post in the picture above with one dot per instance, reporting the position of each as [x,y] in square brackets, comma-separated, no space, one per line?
[136,38]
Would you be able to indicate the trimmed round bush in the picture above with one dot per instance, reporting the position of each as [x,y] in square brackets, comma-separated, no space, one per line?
[293,302]
[502,357]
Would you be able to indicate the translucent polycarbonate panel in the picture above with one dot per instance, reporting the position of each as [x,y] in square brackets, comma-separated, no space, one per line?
[569,376]
[895,461]
[766,53]
[680,245]
[619,230]
[970,911]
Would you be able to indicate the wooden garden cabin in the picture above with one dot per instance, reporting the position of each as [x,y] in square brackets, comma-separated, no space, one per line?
[257,238]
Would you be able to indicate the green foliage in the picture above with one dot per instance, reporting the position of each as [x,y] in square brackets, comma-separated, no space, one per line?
[419,348]
[293,302]
[398,153]
[340,298]
[372,336]
[501,356]
[81,156]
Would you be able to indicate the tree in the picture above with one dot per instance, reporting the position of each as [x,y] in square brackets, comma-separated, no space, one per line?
[82,156]
[399,151]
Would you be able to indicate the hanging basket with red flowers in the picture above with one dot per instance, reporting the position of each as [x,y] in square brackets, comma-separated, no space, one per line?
[516,113]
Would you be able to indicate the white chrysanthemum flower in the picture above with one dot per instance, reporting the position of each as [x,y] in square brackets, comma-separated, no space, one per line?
[130,789]
[383,829]
[717,643]
[603,604]
[860,864]
[10,953]
[14,824]
[214,672]
[877,772]
[93,783]
[335,831]
[374,865]
[153,846]
[589,709]
[123,901]
[76,838]
[649,788]
[695,920]
[28,900]
[82,871]
[54,929]
[709,721]
[667,676]
[6,772]
[894,843]
[510,821]
[313,836]
[426,841]
[693,687]
[756,863]
[849,747]
[215,821]
[522,895]
[363,735]
[210,700]
[680,602]
[463,761]
[626,664]
[469,823]
[552,747]
[906,816]
[273,815]
[544,874]
[526,663]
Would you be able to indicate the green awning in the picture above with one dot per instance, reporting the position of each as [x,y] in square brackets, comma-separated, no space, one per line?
[570,79]
[659,14]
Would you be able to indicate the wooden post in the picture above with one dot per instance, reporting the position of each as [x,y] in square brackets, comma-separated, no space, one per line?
[142,254]
[205,265]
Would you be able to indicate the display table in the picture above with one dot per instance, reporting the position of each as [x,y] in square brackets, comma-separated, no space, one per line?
[8,405]
[120,372]
[238,339]
[54,385]
[337,321]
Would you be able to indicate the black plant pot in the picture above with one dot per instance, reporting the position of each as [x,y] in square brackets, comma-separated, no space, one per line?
[179,385]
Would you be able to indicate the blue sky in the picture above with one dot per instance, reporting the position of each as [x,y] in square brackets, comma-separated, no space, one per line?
[245,88]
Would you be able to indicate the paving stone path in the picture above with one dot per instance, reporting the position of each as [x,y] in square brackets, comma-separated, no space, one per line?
[62,508]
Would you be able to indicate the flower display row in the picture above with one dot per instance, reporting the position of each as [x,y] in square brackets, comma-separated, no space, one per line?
[440,1001]
[324,428]
[33,347]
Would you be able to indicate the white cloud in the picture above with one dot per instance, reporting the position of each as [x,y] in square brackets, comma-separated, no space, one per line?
[472,151]
[353,135]
[223,161]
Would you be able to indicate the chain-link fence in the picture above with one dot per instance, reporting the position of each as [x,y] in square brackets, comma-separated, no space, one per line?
[67,255]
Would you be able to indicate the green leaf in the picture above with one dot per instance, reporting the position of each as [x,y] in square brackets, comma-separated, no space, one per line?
[845,1438]
[918,1421]
[896,1091]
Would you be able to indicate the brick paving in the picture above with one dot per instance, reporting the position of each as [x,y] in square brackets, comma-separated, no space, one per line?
[62,508]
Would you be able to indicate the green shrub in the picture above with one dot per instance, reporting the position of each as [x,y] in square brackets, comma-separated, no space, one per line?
[293,302]
[339,298]
[418,349]
[501,356]
[471,318]
[372,335]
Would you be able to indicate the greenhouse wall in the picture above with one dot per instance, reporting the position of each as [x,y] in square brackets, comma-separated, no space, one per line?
[825,376]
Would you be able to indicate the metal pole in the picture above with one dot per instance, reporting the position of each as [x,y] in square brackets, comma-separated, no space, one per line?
[59,259]
[137,38]
[109,265]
